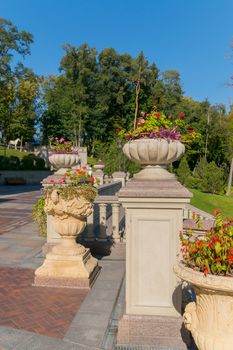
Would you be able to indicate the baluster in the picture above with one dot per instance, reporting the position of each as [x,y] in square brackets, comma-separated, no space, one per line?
[115,221]
[103,216]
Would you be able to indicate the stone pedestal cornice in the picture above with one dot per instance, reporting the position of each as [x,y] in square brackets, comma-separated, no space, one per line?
[154,188]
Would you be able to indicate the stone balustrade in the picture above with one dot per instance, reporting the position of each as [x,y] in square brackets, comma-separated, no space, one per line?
[106,221]
[197,220]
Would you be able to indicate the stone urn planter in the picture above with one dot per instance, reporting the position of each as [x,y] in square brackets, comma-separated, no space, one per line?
[62,161]
[210,318]
[68,264]
[155,154]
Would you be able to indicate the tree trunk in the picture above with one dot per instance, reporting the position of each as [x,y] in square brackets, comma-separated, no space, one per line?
[230,179]
[138,87]
[79,131]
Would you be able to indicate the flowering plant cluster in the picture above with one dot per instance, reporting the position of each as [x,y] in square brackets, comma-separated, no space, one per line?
[213,253]
[74,183]
[156,125]
[60,145]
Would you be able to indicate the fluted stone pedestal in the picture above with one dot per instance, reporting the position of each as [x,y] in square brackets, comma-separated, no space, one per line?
[154,201]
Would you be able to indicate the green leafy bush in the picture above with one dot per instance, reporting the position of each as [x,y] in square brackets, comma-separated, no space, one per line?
[39,216]
[208,177]
[28,162]
[183,172]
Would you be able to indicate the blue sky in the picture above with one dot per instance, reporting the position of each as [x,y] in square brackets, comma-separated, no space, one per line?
[191,36]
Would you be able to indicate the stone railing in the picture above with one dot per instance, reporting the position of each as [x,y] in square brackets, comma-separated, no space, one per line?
[197,219]
[106,221]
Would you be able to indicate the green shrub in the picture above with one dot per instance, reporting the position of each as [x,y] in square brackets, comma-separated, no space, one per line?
[39,216]
[39,163]
[208,177]
[183,172]
[27,162]
[4,163]
[14,163]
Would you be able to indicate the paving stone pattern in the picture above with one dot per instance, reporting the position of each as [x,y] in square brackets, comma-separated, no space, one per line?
[16,210]
[48,311]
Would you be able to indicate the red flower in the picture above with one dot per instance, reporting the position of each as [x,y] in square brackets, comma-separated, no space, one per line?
[199,243]
[216,211]
[211,244]
[84,167]
[206,271]
[230,251]
[77,171]
[181,115]
[92,179]
[190,131]
[158,114]
[218,259]
[51,180]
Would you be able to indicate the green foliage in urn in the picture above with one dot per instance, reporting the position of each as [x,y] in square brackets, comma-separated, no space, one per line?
[212,253]
[39,216]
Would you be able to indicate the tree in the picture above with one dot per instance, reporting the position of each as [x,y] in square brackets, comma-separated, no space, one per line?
[68,96]
[12,41]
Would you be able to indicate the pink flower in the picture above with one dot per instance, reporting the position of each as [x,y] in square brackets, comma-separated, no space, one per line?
[143,114]
[140,122]
[181,115]
[61,140]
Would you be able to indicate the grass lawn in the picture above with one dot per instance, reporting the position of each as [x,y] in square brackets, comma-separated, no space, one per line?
[209,202]
[12,152]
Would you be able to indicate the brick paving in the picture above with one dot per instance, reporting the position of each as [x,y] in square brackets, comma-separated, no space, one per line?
[48,311]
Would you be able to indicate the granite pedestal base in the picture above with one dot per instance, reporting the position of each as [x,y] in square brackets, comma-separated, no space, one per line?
[159,331]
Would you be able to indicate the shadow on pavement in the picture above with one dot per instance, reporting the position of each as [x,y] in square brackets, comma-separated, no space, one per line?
[7,189]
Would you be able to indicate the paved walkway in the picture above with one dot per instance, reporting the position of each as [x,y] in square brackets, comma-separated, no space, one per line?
[49,318]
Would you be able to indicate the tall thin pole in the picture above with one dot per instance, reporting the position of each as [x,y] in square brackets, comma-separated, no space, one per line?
[207,132]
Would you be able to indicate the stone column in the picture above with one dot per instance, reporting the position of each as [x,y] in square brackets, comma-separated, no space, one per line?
[103,220]
[119,176]
[154,217]
[99,175]
[115,221]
